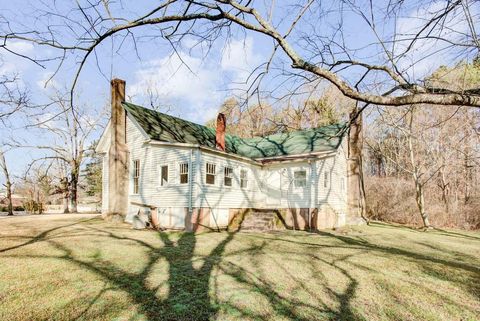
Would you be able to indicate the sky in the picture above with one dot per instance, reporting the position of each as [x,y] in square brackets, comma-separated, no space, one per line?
[193,81]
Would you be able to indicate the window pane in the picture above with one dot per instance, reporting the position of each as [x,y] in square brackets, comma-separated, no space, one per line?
[228,174]
[210,179]
[300,178]
[136,176]
[243,178]
[210,173]
[184,173]
[164,175]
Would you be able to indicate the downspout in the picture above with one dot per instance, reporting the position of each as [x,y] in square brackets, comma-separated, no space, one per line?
[190,183]
[310,195]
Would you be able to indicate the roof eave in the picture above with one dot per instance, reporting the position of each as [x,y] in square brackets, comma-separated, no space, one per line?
[297,157]
[208,149]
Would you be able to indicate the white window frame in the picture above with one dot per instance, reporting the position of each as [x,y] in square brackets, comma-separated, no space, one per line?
[243,179]
[295,179]
[160,173]
[210,169]
[183,169]
[230,176]
[136,176]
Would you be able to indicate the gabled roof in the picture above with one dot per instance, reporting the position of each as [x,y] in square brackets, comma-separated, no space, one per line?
[162,127]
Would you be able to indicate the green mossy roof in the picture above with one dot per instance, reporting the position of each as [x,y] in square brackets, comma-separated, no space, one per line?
[163,127]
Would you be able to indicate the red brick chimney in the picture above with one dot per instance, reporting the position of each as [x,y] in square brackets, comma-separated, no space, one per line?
[220,135]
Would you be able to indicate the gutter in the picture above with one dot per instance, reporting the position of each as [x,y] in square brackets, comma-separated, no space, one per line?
[208,149]
[297,157]
[256,161]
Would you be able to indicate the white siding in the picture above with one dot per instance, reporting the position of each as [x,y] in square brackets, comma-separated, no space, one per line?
[278,182]
[104,183]
[270,186]
[151,158]
[334,196]
[221,196]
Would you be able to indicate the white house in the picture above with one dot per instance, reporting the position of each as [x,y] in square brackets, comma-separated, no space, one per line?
[190,176]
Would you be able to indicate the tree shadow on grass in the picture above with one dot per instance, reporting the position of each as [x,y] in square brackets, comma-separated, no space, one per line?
[190,295]
[467,276]
[42,236]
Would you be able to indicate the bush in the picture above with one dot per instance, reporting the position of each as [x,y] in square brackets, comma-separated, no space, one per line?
[392,199]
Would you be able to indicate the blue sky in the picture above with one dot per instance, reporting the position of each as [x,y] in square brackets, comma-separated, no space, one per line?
[194,92]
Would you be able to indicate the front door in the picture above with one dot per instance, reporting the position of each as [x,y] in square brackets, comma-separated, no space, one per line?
[272,187]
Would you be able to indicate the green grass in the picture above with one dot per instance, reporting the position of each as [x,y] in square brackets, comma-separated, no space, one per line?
[71,268]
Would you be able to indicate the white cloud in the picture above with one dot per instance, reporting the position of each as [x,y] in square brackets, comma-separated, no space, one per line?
[239,56]
[21,47]
[10,63]
[194,86]
[45,81]
[179,79]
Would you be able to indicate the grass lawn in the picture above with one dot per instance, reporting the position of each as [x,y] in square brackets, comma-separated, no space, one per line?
[77,268]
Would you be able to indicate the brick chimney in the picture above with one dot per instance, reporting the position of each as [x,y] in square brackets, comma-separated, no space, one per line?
[117,155]
[220,134]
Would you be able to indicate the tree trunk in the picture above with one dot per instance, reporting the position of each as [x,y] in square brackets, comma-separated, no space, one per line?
[420,199]
[64,188]
[74,189]
[8,183]
[444,187]
[355,185]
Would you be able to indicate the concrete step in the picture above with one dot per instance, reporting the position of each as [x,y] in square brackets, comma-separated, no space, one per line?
[259,221]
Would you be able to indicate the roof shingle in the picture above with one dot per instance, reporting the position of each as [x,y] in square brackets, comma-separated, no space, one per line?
[163,127]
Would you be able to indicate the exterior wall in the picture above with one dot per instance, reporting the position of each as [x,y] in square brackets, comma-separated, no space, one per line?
[104,183]
[269,187]
[152,157]
[333,199]
[221,196]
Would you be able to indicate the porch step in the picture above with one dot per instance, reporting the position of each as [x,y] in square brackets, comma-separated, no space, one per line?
[259,221]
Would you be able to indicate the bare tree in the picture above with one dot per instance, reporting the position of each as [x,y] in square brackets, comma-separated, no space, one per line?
[69,131]
[12,97]
[314,53]
[8,182]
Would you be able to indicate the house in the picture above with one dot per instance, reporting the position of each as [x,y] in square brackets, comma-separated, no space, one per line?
[190,177]
[17,199]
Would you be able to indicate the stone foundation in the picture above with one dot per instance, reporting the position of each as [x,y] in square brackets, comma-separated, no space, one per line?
[199,220]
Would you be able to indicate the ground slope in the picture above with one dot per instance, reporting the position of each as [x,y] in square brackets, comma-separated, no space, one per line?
[61,267]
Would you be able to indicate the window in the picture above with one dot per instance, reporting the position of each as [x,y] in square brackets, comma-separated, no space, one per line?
[210,173]
[136,176]
[325,179]
[228,175]
[184,173]
[164,175]
[300,178]
[243,178]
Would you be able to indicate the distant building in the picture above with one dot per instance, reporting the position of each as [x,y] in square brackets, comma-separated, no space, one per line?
[17,199]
